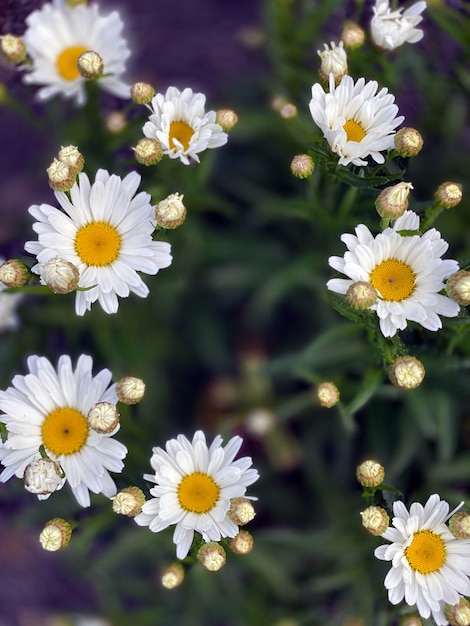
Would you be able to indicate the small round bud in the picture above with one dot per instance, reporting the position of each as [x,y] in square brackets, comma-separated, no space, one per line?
[375,519]
[457,287]
[61,176]
[241,511]
[12,49]
[72,157]
[128,501]
[59,275]
[370,474]
[212,556]
[172,576]
[327,394]
[171,212]
[241,543]
[103,418]
[459,614]
[43,477]
[226,118]
[259,422]
[361,295]
[90,64]
[392,201]
[410,620]
[130,390]
[448,195]
[302,166]
[353,36]
[288,111]
[333,61]
[408,142]
[459,525]
[148,151]
[406,372]
[116,122]
[142,93]
[55,534]
[13,273]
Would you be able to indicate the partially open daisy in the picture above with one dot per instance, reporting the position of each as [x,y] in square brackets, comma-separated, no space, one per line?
[430,566]
[356,121]
[194,486]
[56,36]
[105,230]
[182,126]
[391,29]
[49,408]
[406,271]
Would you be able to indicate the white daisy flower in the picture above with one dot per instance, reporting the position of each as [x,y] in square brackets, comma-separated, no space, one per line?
[182,126]
[8,305]
[105,230]
[50,408]
[430,567]
[391,29]
[55,37]
[194,486]
[356,121]
[406,271]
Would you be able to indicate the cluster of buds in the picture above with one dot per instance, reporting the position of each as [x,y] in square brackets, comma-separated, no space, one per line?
[13,273]
[64,169]
[12,49]
[130,390]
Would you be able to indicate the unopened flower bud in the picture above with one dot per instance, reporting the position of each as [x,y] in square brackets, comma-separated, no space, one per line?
[353,36]
[103,417]
[43,477]
[406,372]
[90,64]
[172,576]
[148,151]
[226,118]
[13,49]
[212,556]
[410,620]
[288,111]
[142,93]
[116,122]
[260,421]
[408,142]
[457,287]
[130,390]
[375,519]
[55,534]
[449,195]
[459,614]
[302,166]
[128,501]
[13,273]
[170,212]
[333,61]
[241,543]
[72,157]
[392,201]
[59,275]
[327,394]
[370,474]
[459,525]
[361,295]
[241,511]
[61,176]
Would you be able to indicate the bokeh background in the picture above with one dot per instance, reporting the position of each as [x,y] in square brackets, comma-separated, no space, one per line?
[238,332]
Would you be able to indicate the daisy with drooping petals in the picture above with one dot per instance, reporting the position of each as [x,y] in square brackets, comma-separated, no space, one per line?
[49,408]
[182,126]
[406,271]
[430,567]
[56,36]
[194,486]
[105,230]
[356,121]
[391,29]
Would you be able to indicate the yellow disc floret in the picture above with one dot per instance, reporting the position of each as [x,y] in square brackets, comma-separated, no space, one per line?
[198,492]
[67,62]
[64,431]
[354,131]
[426,553]
[98,244]
[182,132]
[393,279]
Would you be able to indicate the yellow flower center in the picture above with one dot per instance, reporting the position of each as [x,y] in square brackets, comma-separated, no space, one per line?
[426,553]
[198,493]
[393,279]
[182,132]
[98,243]
[67,62]
[64,431]
[354,131]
